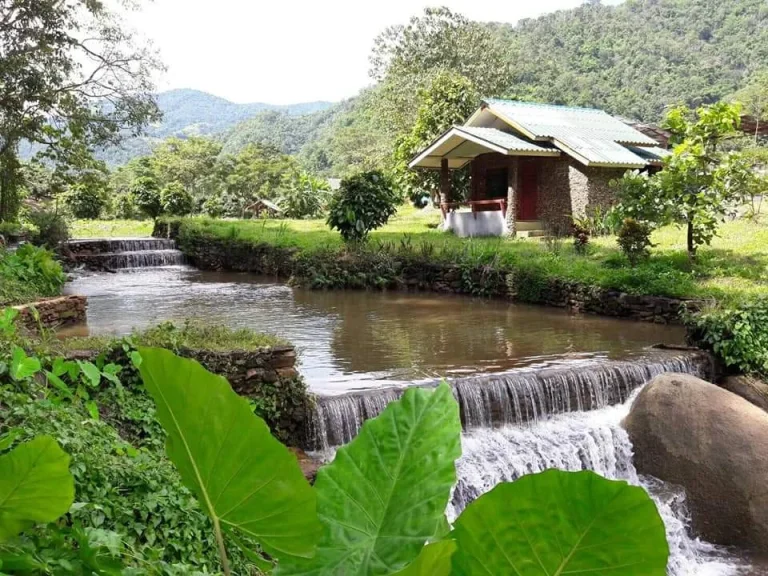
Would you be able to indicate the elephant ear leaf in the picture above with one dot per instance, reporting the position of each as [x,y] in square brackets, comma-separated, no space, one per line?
[245,480]
[556,523]
[434,560]
[35,485]
[384,495]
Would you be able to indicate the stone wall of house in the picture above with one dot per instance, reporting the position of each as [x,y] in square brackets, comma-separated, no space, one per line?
[554,194]
[591,187]
[54,312]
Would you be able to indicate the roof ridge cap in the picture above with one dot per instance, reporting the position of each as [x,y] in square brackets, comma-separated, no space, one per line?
[546,105]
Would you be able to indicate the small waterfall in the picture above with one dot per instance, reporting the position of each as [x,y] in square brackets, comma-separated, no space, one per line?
[124,253]
[509,398]
[581,441]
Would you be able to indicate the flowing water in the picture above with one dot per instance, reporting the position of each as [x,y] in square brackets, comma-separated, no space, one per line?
[585,441]
[514,397]
[357,340]
[537,388]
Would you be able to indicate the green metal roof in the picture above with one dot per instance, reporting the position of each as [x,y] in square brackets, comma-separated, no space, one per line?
[504,139]
[589,135]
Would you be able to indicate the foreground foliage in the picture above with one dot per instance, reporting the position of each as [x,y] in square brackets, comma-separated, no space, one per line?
[28,274]
[384,495]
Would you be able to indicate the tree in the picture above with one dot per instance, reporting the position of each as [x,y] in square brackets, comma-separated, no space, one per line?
[405,59]
[146,197]
[192,162]
[754,98]
[176,200]
[305,196]
[699,183]
[363,203]
[71,79]
[448,100]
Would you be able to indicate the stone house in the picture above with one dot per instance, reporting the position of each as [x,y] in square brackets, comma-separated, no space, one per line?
[534,166]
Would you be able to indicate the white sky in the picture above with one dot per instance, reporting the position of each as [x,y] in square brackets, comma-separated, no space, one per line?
[287,51]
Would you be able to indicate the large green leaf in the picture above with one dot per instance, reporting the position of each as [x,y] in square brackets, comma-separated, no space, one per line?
[557,523]
[243,477]
[35,485]
[385,493]
[434,560]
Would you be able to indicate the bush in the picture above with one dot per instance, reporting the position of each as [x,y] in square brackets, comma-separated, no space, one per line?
[580,238]
[85,202]
[635,240]
[176,200]
[51,228]
[305,198]
[363,203]
[737,333]
[146,196]
[125,207]
[29,273]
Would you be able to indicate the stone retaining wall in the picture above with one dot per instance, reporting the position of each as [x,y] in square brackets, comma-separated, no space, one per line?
[431,276]
[54,312]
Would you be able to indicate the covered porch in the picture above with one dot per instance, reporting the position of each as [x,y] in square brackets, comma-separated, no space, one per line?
[503,197]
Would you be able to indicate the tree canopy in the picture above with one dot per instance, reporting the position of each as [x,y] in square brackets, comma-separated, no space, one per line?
[71,79]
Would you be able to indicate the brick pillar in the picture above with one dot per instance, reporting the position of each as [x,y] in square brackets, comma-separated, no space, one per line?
[445,181]
[512,185]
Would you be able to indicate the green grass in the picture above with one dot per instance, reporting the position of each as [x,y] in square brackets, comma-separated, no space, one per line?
[111,228]
[190,335]
[735,265]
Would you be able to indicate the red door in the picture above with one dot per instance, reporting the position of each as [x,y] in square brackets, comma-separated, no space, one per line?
[528,193]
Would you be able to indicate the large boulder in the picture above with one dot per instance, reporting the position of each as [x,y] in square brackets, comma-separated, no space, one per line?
[714,444]
[749,388]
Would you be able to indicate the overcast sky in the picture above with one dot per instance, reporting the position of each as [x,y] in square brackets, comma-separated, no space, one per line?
[287,51]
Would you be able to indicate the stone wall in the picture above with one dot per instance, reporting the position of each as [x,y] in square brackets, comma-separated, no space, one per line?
[591,187]
[425,274]
[554,195]
[54,312]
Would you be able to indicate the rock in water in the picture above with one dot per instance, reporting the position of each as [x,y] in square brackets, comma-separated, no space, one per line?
[714,444]
[749,388]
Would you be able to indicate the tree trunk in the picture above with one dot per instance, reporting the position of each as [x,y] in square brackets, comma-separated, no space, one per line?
[9,184]
[691,245]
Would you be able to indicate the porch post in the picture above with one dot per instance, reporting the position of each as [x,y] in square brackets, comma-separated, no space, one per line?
[512,185]
[445,181]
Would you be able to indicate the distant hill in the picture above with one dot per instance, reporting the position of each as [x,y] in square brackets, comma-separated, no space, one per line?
[196,113]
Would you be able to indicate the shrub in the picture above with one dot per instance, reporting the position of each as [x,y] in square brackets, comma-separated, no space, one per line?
[580,238]
[635,240]
[146,196]
[125,207]
[176,200]
[306,197]
[737,333]
[51,228]
[363,203]
[29,273]
[86,202]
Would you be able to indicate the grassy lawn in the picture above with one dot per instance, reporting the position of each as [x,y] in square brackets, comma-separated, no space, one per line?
[111,228]
[735,265]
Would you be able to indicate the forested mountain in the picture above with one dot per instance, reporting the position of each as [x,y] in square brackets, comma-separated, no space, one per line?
[633,59]
[636,58]
[195,113]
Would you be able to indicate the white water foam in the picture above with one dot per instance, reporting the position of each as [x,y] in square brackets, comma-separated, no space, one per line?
[583,441]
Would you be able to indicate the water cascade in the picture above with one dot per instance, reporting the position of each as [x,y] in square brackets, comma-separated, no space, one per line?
[113,254]
[509,398]
[582,441]
[527,421]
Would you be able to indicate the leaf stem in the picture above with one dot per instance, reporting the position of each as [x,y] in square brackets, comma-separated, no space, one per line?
[222,547]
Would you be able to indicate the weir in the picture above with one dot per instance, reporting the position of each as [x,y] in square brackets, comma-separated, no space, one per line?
[124,253]
[513,397]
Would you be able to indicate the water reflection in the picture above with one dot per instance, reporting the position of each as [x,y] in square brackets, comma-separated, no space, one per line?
[361,339]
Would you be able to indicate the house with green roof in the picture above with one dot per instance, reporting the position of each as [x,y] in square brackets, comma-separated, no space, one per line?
[534,166]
